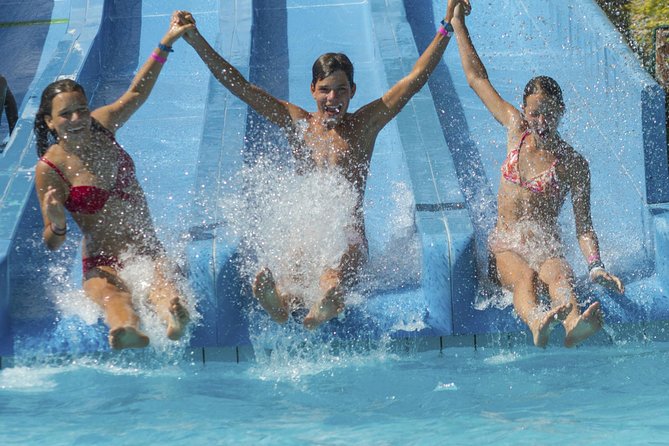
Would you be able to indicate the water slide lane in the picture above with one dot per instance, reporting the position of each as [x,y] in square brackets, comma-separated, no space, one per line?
[71,26]
[613,117]
[280,61]
[103,50]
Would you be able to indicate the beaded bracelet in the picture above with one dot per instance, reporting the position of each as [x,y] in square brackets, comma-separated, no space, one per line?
[595,264]
[57,231]
[166,48]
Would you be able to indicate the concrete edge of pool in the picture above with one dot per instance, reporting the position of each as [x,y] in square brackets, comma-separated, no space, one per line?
[646,332]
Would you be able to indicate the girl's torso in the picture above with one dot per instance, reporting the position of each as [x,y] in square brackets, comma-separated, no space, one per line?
[103,195]
[533,183]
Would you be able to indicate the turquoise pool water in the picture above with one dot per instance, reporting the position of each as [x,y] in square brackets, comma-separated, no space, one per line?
[313,394]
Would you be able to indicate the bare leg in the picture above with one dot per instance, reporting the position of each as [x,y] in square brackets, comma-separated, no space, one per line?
[168,302]
[106,289]
[516,275]
[330,305]
[587,324]
[557,274]
[331,283]
[267,293]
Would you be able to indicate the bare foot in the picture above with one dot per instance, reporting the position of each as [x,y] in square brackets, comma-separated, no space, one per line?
[330,306]
[589,323]
[545,325]
[264,289]
[127,337]
[178,321]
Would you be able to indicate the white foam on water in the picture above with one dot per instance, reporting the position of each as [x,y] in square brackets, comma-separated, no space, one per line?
[28,379]
[445,387]
[71,300]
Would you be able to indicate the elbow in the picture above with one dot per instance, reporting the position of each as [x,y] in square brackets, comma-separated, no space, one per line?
[474,80]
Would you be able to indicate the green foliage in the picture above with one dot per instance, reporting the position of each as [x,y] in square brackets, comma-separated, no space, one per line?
[645,16]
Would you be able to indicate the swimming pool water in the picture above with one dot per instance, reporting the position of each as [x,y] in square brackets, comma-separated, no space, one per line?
[613,394]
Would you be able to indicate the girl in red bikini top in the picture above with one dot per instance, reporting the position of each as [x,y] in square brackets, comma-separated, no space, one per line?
[91,199]
[77,155]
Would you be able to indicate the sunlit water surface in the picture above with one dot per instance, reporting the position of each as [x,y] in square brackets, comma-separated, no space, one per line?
[591,395]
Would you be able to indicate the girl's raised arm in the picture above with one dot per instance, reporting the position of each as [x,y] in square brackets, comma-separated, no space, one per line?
[114,115]
[477,76]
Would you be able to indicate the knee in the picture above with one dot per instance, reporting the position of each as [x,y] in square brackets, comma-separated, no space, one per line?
[331,277]
[557,273]
[115,298]
[523,284]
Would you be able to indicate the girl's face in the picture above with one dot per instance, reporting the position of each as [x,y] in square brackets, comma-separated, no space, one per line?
[333,96]
[70,117]
[542,114]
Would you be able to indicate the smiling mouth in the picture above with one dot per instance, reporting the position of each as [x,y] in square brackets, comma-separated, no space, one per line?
[75,129]
[333,109]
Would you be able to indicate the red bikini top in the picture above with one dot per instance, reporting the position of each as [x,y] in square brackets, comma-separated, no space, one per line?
[91,199]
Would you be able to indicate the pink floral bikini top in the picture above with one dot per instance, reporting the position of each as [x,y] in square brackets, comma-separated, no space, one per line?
[540,183]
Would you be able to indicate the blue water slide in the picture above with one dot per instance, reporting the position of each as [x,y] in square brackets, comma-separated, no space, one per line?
[101,44]
[192,136]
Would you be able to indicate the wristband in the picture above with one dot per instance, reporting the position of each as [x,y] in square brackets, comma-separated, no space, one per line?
[443,31]
[447,26]
[596,265]
[157,58]
[57,231]
[166,48]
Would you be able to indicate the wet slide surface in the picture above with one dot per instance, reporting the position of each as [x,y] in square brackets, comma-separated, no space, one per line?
[437,163]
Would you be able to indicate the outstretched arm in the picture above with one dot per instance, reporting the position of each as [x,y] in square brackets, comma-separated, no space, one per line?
[477,76]
[279,112]
[114,115]
[587,238]
[389,105]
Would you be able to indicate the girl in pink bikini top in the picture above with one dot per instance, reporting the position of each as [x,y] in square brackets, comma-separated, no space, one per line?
[540,183]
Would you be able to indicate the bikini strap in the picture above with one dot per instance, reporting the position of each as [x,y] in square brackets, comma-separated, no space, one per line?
[58,171]
[108,133]
[522,138]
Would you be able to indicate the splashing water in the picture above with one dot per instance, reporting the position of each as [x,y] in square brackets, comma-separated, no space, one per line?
[296,225]
[77,325]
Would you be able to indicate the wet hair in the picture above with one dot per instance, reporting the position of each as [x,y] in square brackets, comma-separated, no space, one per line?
[45,137]
[546,85]
[328,63]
